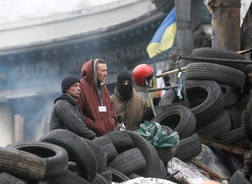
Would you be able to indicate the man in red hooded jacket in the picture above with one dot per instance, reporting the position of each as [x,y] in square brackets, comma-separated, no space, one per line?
[94,101]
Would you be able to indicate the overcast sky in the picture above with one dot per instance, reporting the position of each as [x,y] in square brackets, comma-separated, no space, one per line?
[16,10]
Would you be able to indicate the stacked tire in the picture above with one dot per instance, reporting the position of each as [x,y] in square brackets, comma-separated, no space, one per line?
[62,157]
[212,91]
[231,78]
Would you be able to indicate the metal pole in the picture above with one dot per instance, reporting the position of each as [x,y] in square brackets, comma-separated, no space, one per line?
[150,98]
[216,60]
[163,88]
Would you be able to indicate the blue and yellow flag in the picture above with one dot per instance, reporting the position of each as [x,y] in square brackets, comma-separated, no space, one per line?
[164,36]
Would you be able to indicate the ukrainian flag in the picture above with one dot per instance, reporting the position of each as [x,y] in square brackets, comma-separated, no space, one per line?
[164,36]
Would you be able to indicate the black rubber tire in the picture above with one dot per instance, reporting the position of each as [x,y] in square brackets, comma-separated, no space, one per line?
[233,136]
[72,166]
[55,156]
[100,155]
[121,140]
[117,176]
[241,107]
[150,154]
[70,178]
[133,176]
[205,99]
[220,125]
[107,174]
[245,144]
[99,179]
[189,147]
[246,42]
[246,37]
[77,149]
[165,154]
[230,95]
[166,129]
[247,118]
[163,170]
[30,167]
[234,117]
[208,52]
[219,73]
[129,161]
[6,178]
[41,182]
[179,118]
[106,144]
[238,178]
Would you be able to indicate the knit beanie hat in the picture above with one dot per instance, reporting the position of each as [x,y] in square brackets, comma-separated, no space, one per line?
[68,81]
[124,90]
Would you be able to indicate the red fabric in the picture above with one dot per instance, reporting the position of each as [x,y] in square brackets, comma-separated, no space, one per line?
[89,101]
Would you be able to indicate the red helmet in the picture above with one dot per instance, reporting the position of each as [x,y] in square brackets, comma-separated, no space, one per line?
[142,72]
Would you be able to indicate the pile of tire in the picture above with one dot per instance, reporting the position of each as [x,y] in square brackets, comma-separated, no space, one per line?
[215,94]
[234,83]
[62,157]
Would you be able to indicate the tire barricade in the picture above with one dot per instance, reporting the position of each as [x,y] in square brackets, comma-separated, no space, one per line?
[63,157]
[215,94]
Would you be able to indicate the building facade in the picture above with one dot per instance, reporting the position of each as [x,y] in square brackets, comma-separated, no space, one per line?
[36,54]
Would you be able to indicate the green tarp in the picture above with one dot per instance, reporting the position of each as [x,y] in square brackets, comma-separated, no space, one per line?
[153,132]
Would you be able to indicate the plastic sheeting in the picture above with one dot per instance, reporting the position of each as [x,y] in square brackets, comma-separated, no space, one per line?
[142,180]
[153,132]
[186,172]
[212,161]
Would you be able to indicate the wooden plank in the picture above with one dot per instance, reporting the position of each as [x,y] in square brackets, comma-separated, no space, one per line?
[213,174]
[222,146]
[171,72]
[244,51]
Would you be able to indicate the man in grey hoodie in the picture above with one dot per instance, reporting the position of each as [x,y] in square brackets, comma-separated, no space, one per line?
[66,114]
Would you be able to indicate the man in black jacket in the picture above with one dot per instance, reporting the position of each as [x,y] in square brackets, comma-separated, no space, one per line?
[66,114]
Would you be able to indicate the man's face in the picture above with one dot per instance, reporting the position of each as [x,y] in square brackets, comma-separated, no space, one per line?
[125,82]
[74,90]
[101,72]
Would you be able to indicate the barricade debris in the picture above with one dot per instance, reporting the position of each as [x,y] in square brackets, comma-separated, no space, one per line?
[142,180]
[186,173]
[210,163]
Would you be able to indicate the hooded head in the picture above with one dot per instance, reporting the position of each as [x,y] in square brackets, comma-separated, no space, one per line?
[89,72]
[68,81]
[124,84]
[100,71]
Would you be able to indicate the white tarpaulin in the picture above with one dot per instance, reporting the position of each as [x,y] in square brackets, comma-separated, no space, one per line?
[187,173]
[142,180]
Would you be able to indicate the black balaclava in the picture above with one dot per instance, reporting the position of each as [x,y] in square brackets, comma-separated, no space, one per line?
[125,91]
